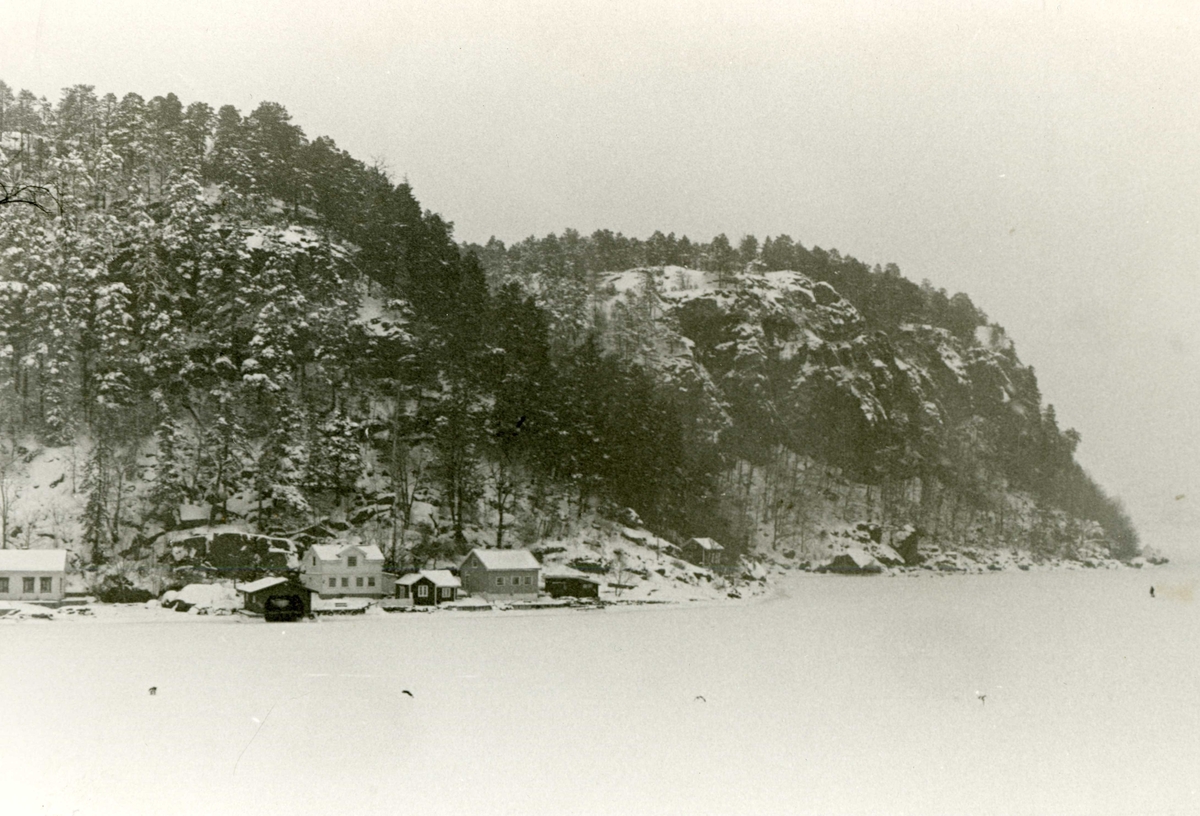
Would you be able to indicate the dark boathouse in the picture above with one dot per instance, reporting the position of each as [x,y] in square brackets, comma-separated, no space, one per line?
[277,599]
[563,585]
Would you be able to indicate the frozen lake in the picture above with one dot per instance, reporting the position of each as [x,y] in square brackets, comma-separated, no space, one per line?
[843,695]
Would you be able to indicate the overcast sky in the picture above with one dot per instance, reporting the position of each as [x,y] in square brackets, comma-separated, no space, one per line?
[1041,156]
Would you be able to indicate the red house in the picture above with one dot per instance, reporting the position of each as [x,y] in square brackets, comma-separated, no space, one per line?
[428,587]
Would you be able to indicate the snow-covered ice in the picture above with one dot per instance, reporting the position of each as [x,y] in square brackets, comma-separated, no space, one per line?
[1064,692]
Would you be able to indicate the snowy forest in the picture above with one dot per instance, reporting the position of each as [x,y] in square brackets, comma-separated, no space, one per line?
[198,305]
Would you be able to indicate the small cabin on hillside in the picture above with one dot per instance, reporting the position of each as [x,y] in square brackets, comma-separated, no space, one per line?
[194,515]
[505,573]
[346,570]
[703,552]
[428,587]
[35,576]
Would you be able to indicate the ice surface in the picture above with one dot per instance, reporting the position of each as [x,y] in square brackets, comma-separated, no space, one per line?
[1064,692]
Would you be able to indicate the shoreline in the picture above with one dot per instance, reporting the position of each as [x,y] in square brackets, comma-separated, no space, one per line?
[776,585]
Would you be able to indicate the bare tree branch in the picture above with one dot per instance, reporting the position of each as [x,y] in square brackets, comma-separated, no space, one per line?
[30,194]
[14,191]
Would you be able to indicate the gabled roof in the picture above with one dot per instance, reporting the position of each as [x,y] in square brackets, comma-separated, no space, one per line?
[34,560]
[859,557]
[261,583]
[333,552]
[708,544]
[440,578]
[505,559]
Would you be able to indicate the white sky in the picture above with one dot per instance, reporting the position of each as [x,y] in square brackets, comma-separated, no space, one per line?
[1041,156]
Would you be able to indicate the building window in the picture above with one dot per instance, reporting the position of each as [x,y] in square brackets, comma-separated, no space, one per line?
[27,585]
[371,581]
[358,581]
[447,593]
[3,585]
[423,591]
[528,580]
[47,585]
[352,560]
[333,582]
[499,582]
[345,582]
[314,560]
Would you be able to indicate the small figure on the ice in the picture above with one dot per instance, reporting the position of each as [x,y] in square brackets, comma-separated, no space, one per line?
[1151,592]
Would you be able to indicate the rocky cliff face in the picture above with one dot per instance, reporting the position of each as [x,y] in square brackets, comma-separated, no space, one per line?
[829,422]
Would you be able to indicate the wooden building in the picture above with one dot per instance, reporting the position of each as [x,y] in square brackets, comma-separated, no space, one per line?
[428,587]
[703,551]
[503,573]
[567,583]
[346,570]
[276,598]
[34,576]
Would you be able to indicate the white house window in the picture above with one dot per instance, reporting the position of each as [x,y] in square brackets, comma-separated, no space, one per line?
[345,582]
[499,582]
[333,582]
[371,581]
[3,585]
[314,560]
[528,580]
[27,584]
[47,585]
[352,561]
[358,581]
[423,591]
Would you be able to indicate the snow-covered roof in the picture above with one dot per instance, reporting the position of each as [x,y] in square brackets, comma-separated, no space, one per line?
[506,559]
[708,544]
[208,531]
[861,558]
[566,572]
[194,512]
[333,552]
[440,578]
[261,583]
[33,560]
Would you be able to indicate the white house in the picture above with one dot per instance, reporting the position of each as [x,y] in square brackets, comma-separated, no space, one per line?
[33,575]
[346,570]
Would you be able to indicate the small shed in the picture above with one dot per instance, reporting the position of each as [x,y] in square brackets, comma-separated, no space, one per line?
[429,587]
[194,515]
[277,598]
[703,551]
[568,583]
[854,562]
[37,576]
